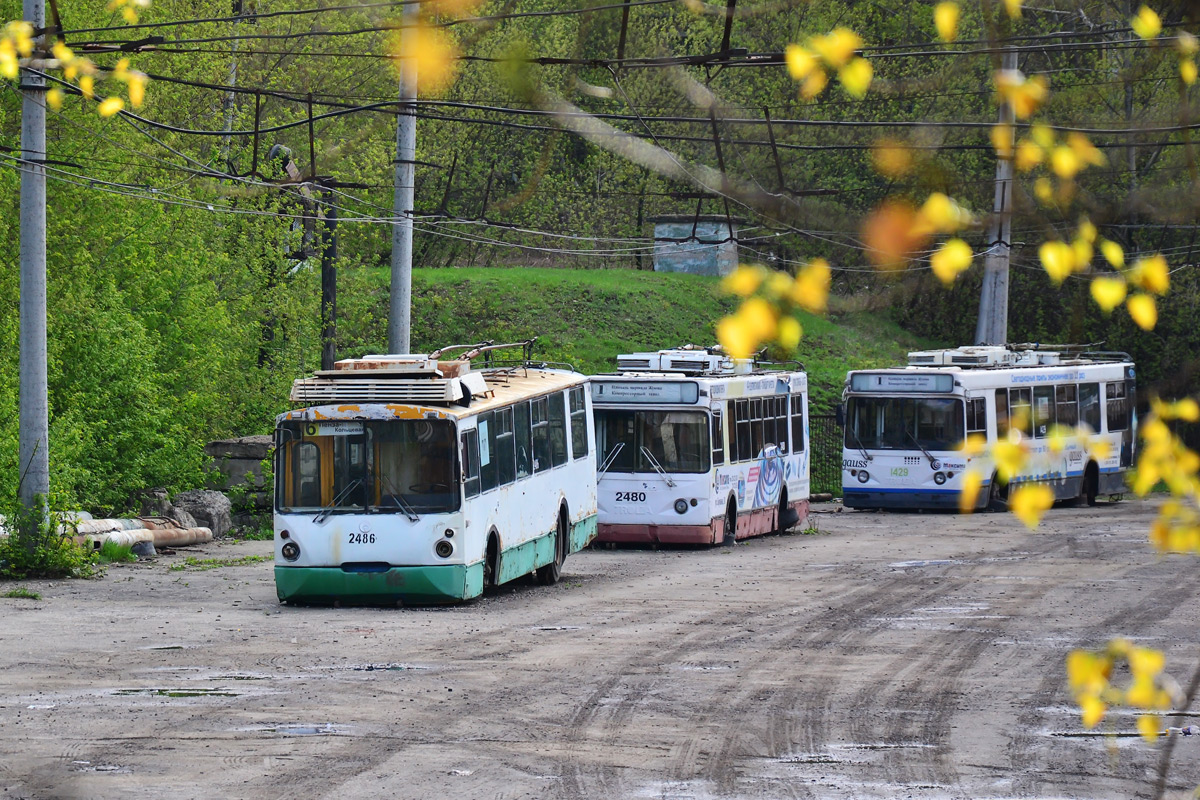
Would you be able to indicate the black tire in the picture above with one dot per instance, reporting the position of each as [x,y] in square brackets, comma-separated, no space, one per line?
[1091,484]
[785,517]
[730,525]
[996,501]
[549,574]
[491,563]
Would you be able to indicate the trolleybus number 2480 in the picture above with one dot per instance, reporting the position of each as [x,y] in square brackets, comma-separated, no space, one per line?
[630,497]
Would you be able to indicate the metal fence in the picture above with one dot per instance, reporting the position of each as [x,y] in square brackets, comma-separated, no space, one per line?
[825,437]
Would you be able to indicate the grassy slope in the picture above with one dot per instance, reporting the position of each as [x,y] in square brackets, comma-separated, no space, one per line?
[586,317]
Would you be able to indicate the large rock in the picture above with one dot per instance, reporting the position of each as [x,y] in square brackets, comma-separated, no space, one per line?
[211,509]
[157,503]
[237,466]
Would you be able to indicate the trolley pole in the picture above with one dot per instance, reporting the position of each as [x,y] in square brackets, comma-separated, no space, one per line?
[34,433]
[400,310]
[992,327]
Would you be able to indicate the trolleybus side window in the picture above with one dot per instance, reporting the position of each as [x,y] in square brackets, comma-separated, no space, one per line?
[470,458]
[1001,413]
[976,416]
[756,427]
[1020,404]
[487,451]
[558,430]
[718,438]
[505,450]
[1117,406]
[1043,410]
[1068,407]
[1089,405]
[306,475]
[797,401]
[541,434]
[524,441]
[741,431]
[579,439]
[779,410]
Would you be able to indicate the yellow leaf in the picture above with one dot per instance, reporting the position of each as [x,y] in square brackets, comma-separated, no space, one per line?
[945,19]
[743,281]
[1085,150]
[1092,710]
[1108,292]
[432,53]
[1146,24]
[1043,189]
[759,317]
[63,53]
[1002,140]
[1086,231]
[1058,259]
[1081,249]
[1187,71]
[1029,155]
[838,46]
[1152,274]
[87,87]
[1024,95]
[952,258]
[941,214]
[778,284]
[974,444]
[1149,726]
[789,333]
[892,233]
[1113,253]
[1187,409]
[1065,162]
[800,61]
[1099,449]
[1087,671]
[1146,662]
[1013,7]
[1042,134]
[735,338]
[54,98]
[1143,310]
[856,77]
[892,158]
[810,290]
[1010,457]
[137,88]
[814,84]
[968,496]
[1029,503]
[110,106]
[130,14]
[1186,43]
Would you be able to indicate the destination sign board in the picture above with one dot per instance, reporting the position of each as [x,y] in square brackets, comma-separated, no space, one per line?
[645,392]
[900,382]
[339,428]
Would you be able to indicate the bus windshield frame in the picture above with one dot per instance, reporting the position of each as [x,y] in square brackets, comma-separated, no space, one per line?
[677,440]
[889,422]
[402,466]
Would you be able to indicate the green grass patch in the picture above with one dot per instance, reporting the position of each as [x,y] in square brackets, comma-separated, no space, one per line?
[21,593]
[587,317]
[201,564]
[256,534]
[112,553]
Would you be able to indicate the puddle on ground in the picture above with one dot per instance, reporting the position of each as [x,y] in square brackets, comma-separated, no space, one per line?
[558,628]
[87,766]
[193,692]
[393,667]
[299,729]
[705,667]
[911,564]
[1096,734]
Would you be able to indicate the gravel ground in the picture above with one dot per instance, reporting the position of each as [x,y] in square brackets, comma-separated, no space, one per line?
[887,656]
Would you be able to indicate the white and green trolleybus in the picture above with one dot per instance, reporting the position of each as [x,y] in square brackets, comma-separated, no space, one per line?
[906,426]
[423,479]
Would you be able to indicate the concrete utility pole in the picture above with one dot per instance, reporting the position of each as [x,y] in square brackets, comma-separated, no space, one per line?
[400,313]
[329,285]
[992,327]
[34,435]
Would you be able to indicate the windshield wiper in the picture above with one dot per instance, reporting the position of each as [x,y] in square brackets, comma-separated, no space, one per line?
[404,505]
[324,513]
[612,456]
[928,455]
[861,447]
[657,467]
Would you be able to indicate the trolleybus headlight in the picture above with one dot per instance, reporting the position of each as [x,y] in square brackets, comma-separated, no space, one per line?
[694,502]
[443,548]
[939,478]
[290,551]
[863,476]
[681,506]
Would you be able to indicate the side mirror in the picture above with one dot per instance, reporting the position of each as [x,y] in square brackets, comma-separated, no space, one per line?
[839,415]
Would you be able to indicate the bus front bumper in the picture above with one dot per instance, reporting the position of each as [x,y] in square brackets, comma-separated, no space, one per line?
[947,498]
[422,585]
[656,534]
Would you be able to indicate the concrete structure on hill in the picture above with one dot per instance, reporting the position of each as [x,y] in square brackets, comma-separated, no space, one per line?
[704,245]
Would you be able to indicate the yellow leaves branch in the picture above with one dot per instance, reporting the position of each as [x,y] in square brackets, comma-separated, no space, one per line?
[812,64]
[769,302]
[1150,690]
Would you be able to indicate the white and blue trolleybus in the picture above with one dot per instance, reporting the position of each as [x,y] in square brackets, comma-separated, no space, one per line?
[424,479]
[905,427]
[693,447]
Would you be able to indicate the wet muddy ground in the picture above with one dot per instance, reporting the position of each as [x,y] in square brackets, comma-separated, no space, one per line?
[887,656]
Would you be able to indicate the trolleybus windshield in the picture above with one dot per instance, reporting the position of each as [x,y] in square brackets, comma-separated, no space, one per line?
[676,441]
[904,423]
[397,466]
